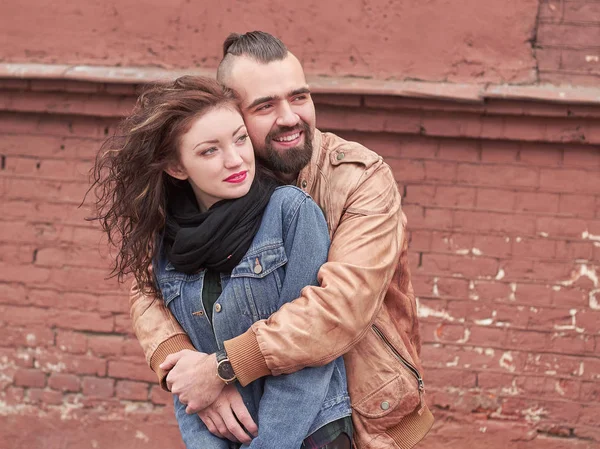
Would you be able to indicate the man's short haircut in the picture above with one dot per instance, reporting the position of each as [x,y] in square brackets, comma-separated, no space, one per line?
[258,45]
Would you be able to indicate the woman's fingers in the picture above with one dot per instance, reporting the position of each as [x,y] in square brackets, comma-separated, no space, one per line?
[210,425]
[242,414]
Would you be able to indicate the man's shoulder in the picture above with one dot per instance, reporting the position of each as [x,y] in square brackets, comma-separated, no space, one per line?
[344,153]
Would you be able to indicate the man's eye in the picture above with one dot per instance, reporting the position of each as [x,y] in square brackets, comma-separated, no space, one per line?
[264,107]
[301,97]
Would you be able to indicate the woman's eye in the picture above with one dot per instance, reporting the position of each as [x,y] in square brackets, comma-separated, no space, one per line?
[208,151]
[242,138]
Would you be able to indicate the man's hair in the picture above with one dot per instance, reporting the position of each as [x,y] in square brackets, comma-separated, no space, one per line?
[258,45]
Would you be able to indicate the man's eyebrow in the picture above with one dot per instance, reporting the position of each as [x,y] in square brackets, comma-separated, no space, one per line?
[261,100]
[216,140]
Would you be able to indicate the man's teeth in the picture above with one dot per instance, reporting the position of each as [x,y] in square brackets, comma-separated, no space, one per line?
[288,138]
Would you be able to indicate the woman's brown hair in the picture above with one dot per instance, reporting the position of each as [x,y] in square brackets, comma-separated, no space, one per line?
[129,179]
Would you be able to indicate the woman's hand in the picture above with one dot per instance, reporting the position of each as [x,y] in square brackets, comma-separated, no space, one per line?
[193,378]
[223,417]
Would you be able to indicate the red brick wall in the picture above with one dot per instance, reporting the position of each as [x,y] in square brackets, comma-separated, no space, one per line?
[503,203]
[568,41]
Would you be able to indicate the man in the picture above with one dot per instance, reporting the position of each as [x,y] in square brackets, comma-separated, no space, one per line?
[364,307]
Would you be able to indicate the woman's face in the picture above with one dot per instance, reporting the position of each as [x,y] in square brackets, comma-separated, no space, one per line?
[216,157]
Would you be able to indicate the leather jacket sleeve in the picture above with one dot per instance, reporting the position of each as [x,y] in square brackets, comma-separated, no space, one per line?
[156,329]
[327,320]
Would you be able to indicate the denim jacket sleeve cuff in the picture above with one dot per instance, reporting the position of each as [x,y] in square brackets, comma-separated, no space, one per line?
[174,344]
[246,359]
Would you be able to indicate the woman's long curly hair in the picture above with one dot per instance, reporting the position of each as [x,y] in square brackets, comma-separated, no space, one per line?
[129,179]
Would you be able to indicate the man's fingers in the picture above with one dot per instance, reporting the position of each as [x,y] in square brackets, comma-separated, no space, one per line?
[241,413]
[172,360]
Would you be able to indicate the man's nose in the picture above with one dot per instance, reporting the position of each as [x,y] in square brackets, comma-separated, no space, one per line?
[287,117]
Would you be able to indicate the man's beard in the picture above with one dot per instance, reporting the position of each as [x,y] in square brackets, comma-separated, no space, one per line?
[291,160]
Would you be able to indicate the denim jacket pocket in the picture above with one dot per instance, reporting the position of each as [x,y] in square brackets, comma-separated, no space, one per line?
[258,280]
[170,286]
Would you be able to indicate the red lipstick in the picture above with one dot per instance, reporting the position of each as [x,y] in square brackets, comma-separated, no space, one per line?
[237,177]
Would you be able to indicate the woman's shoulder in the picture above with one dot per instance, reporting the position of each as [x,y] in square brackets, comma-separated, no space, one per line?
[289,197]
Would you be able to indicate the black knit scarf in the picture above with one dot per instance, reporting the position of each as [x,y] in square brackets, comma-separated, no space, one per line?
[218,238]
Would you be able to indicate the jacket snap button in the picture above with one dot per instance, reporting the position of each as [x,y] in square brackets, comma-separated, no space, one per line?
[385,405]
[217,308]
[340,156]
[257,267]
[304,183]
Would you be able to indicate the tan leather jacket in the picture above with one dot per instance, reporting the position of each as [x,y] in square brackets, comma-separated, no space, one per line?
[364,308]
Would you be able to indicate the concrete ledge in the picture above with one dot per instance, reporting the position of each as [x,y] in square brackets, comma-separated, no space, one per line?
[464,93]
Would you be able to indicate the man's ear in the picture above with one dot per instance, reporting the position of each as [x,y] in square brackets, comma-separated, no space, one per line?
[177,172]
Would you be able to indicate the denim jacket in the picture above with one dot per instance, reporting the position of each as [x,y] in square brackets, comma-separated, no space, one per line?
[285,256]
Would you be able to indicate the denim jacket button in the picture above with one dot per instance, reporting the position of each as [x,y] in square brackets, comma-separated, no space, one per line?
[257,267]
[385,405]
[217,308]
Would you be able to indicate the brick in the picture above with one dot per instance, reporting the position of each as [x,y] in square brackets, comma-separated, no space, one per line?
[568,343]
[581,11]
[452,288]
[123,324]
[31,336]
[13,396]
[159,396]
[569,296]
[417,147]
[45,397]
[527,340]
[131,346]
[533,294]
[82,279]
[459,150]
[29,378]
[495,222]
[106,345]
[494,381]
[70,363]
[133,391]
[418,241]
[534,248]
[567,35]
[131,371]
[98,387]
[64,382]
[500,152]
[590,391]
[569,180]
[536,202]
[441,171]
[561,227]
[582,206]
[493,246]
[492,291]
[447,242]
[468,267]
[420,194]
[540,154]
[73,342]
[498,175]
[547,387]
[451,378]
[84,321]
[454,196]
[495,200]
[438,218]
[551,10]
[581,157]
[487,336]
[549,58]
[407,170]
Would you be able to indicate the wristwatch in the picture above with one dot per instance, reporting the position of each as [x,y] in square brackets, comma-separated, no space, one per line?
[224,368]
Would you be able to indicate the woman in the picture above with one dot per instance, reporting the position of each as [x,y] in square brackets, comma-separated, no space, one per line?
[179,191]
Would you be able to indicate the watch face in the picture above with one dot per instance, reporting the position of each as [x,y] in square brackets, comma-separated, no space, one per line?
[225,371]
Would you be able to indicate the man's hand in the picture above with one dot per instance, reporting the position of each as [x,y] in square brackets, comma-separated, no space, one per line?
[220,417]
[193,378]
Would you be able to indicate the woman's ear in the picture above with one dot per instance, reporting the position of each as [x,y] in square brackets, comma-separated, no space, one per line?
[177,172]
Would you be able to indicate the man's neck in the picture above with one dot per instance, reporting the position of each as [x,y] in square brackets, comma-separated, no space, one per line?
[288,178]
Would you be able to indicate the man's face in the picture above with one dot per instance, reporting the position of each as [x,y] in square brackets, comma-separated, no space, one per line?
[278,111]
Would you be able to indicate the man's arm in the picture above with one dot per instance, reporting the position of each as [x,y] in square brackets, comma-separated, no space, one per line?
[326,321]
[157,330]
